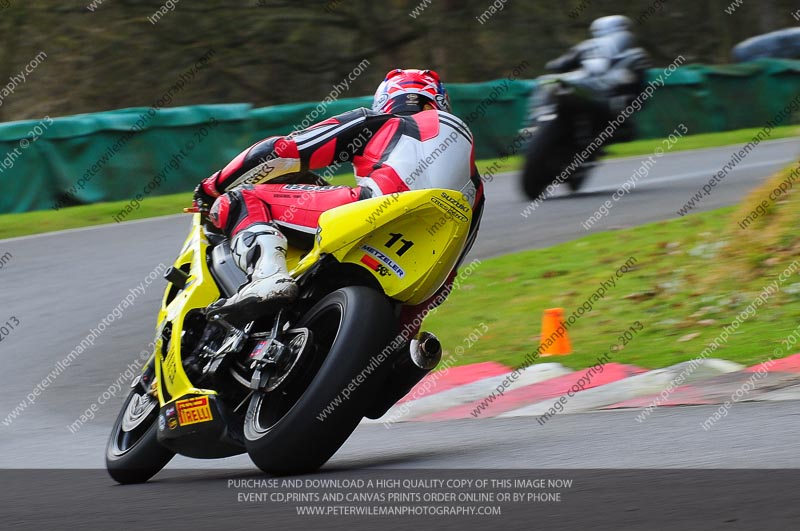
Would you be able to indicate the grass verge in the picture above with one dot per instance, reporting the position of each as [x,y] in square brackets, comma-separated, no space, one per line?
[693,276]
[12,225]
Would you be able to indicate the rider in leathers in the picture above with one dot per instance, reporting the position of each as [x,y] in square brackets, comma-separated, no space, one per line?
[609,66]
[409,122]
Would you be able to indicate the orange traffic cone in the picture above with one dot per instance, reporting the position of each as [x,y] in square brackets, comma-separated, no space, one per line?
[554,341]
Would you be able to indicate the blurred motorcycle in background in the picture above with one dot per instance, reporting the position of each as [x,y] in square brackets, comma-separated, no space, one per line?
[593,82]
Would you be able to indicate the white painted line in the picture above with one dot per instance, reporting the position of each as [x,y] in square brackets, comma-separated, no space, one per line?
[679,154]
[686,176]
[704,150]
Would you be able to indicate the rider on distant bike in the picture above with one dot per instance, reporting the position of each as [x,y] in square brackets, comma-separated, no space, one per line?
[410,122]
[609,65]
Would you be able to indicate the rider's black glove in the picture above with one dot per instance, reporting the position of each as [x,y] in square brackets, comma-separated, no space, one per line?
[202,200]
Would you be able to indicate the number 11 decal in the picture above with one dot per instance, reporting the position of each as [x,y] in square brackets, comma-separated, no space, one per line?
[407,244]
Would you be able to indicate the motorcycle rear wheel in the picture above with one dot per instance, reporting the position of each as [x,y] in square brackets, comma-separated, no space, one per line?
[300,425]
[576,180]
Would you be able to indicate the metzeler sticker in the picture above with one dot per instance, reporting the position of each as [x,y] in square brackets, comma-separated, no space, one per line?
[449,210]
[385,259]
[193,410]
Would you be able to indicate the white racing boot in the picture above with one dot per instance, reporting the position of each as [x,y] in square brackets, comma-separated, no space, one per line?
[260,251]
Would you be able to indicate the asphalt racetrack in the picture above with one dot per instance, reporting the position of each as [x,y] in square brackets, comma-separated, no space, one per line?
[59,286]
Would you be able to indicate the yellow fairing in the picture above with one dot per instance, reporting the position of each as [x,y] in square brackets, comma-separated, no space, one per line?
[410,242]
[200,291]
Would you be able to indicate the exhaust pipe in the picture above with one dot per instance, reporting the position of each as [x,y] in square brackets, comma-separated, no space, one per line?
[421,356]
[426,352]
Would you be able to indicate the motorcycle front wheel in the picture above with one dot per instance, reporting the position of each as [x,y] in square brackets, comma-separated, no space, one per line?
[549,153]
[133,453]
[297,427]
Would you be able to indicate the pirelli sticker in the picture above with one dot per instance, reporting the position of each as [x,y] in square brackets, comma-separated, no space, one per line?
[193,411]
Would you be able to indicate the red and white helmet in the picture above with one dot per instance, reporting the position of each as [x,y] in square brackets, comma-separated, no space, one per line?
[407,91]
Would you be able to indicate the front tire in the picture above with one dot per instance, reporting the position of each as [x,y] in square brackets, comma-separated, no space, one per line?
[133,453]
[300,425]
[547,156]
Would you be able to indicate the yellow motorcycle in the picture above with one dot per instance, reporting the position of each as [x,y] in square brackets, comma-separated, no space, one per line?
[291,387]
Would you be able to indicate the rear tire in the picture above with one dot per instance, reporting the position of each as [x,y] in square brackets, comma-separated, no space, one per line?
[134,455]
[575,182]
[300,425]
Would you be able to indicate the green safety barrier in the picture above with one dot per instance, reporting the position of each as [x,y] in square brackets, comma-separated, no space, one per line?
[493,110]
[120,154]
[710,99]
[96,157]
